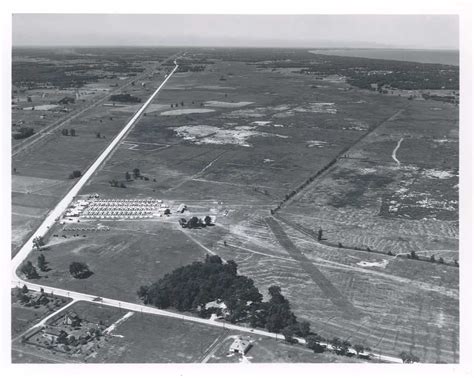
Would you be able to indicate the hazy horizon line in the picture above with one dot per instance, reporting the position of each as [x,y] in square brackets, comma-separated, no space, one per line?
[243,47]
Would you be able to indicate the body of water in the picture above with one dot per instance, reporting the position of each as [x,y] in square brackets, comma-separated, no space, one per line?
[450,57]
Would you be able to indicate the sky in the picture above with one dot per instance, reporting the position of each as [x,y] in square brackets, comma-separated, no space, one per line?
[384,31]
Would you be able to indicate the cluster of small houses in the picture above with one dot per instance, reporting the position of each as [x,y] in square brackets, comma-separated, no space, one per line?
[79,332]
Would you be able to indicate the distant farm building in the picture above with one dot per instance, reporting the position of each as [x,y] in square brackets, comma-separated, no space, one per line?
[72,319]
[66,100]
[182,208]
[240,346]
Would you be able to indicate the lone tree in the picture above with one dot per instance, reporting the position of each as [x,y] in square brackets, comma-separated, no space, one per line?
[288,332]
[79,270]
[42,264]
[136,173]
[75,174]
[65,132]
[408,357]
[29,270]
[207,220]
[38,242]
[24,289]
[313,342]
[320,234]
[339,346]
[359,348]
[193,222]
[72,132]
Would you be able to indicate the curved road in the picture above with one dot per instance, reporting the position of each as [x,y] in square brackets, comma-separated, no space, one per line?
[394,153]
[76,296]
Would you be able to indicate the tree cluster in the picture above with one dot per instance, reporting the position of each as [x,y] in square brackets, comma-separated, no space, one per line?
[66,132]
[67,100]
[408,357]
[23,133]
[75,174]
[28,269]
[79,270]
[125,97]
[196,222]
[116,184]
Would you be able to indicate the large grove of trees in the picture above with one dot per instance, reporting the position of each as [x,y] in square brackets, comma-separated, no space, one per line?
[191,287]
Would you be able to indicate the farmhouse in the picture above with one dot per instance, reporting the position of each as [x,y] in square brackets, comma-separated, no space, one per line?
[51,334]
[72,319]
[240,346]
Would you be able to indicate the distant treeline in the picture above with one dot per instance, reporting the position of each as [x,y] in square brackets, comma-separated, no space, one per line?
[33,75]
[125,97]
[363,72]
[37,75]
[190,68]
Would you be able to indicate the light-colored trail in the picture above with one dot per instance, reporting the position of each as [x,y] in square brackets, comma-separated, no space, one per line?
[394,153]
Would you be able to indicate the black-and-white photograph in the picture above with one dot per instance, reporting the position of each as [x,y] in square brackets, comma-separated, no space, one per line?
[234,188]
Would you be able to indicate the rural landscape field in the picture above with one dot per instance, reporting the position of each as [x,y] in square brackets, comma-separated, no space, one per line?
[224,205]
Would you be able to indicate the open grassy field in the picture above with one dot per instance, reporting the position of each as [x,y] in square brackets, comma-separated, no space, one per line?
[267,133]
[154,339]
[131,254]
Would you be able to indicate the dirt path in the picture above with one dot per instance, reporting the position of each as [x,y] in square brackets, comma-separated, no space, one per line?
[316,275]
[394,153]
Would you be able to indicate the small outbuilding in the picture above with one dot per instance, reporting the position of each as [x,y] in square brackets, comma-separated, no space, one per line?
[240,346]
